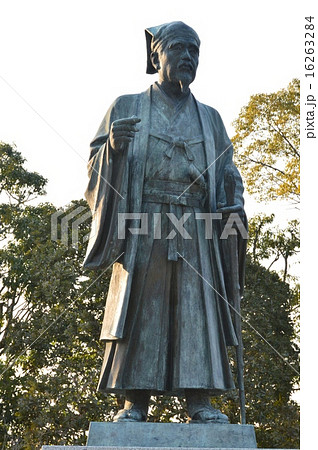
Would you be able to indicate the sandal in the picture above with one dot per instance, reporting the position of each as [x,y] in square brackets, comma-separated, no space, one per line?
[209,415]
[133,414]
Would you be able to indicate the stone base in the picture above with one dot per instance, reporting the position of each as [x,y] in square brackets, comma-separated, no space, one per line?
[186,435]
[70,447]
[167,436]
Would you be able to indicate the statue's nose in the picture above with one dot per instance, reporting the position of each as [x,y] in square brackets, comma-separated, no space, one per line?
[186,54]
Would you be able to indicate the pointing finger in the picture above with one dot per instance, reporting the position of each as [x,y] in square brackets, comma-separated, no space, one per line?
[127,121]
[124,127]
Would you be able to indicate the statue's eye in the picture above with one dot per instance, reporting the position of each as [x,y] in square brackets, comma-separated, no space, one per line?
[177,46]
[194,51]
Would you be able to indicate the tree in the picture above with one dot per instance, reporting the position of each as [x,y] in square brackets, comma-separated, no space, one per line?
[269,243]
[16,182]
[267,134]
[269,307]
[50,315]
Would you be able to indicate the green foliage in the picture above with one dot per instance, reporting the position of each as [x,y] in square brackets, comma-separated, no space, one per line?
[167,409]
[18,183]
[50,352]
[270,379]
[267,137]
[269,243]
[50,315]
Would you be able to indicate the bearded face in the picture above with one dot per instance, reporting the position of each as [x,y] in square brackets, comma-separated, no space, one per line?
[177,61]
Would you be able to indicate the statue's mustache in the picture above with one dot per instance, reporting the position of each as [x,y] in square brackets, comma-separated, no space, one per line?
[186,65]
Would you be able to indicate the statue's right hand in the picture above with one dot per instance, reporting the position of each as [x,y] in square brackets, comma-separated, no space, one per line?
[122,131]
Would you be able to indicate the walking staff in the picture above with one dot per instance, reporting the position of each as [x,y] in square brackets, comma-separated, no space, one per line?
[235,290]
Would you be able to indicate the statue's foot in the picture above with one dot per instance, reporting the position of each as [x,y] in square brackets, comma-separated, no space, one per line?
[132,414]
[209,415]
[200,409]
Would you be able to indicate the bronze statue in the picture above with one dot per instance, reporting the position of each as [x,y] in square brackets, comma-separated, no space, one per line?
[156,169]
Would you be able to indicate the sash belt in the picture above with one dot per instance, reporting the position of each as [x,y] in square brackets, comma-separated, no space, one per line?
[174,193]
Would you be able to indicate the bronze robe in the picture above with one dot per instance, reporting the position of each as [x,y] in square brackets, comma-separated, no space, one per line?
[167,322]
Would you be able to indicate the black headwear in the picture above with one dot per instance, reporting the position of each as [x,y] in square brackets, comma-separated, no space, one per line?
[159,35]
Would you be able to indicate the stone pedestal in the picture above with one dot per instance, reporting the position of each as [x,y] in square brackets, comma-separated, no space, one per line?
[167,436]
[192,435]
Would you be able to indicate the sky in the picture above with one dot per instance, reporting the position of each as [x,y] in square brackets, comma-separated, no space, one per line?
[63,62]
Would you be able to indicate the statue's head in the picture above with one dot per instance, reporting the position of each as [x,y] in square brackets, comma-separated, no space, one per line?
[173,52]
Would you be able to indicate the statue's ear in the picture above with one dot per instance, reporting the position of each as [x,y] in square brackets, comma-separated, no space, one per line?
[154,57]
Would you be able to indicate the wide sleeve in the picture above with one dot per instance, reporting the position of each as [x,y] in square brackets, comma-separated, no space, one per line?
[106,194]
